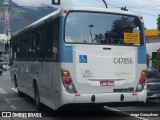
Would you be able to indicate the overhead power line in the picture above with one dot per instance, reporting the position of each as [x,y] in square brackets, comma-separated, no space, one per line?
[138,6]
[133,10]
[114,4]
[128,6]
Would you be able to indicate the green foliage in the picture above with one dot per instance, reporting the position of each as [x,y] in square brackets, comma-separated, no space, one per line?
[1,8]
[158,22]
[155,63]
[16,11]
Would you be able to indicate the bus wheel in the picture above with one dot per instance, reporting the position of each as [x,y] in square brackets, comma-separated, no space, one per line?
[36,97]
[21,94]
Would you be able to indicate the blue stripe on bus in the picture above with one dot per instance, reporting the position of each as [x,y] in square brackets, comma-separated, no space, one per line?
[142,58]
[65,52]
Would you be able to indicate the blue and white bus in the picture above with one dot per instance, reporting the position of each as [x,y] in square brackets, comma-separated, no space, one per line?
[81,55]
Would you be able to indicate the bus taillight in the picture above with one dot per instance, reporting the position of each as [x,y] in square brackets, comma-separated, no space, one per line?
[65,74]
[71,87]
[142,80]
[65,11]
[143,74]
[67,81]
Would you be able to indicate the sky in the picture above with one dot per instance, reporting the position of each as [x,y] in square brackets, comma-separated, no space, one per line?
[149,9]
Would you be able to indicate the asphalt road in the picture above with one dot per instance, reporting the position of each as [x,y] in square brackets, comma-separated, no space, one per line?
[11,102]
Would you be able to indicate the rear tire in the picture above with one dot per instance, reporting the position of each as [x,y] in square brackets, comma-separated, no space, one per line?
[20,94]
[36,97]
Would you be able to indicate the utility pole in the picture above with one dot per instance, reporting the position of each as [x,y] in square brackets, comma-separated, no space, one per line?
[7,31]
[7,23]
[91,26]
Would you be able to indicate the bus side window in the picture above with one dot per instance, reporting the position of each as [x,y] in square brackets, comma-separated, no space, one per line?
[55,38]
[37,44]
[14,47]
[24,39]
[18,47]
[48,41]
[30,46]
[50,45]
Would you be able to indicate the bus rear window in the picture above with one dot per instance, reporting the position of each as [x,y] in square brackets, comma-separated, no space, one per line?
[103,28]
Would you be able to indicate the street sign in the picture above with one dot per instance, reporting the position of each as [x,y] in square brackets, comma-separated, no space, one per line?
[56,2]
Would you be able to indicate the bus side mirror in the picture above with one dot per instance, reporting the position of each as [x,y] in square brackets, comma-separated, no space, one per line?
[56,2]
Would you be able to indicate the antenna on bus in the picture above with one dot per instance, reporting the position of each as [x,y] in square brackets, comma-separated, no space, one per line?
[105,3]
[124,8]
[56,2]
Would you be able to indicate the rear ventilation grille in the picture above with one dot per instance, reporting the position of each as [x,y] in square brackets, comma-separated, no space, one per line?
[124,90]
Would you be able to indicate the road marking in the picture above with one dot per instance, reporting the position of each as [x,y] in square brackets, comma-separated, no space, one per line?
[142,118]
[4,74]
[13,107]
[14,89]
[113,109]
[9,99]
[2,91]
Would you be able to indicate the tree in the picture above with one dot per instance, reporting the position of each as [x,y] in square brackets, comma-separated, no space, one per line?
[155,63]
[158,22]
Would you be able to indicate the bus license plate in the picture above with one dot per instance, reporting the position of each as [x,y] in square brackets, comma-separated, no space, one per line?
[107,83]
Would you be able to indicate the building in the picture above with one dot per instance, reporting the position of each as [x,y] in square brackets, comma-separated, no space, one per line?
[3,40]
[153,45]
[3,54]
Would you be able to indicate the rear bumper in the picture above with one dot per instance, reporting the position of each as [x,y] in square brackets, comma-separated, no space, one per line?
[66,98]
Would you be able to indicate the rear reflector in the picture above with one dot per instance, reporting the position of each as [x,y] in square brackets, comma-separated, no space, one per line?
[77,94]
[134,94]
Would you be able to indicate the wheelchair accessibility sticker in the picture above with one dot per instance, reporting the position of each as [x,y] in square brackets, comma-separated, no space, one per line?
[83,58]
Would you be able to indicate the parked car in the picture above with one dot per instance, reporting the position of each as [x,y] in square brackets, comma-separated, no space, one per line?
[153,84]
[4,67]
